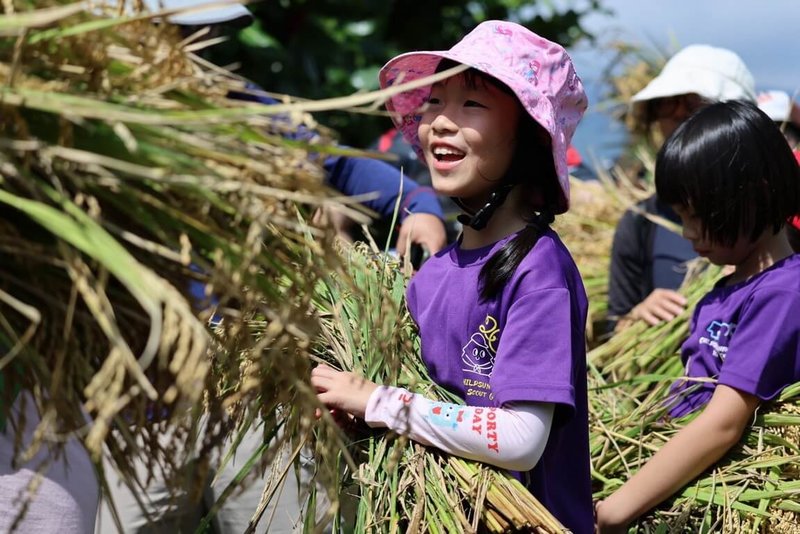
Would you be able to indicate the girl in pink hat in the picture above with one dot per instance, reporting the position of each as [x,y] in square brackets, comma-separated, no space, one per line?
[501,312]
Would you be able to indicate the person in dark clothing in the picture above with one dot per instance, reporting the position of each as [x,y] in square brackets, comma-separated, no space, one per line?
[648,261]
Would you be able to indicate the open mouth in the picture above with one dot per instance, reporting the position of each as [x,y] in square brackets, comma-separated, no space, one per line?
[447,154]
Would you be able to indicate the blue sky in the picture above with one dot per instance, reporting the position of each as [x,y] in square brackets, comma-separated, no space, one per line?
[765,34]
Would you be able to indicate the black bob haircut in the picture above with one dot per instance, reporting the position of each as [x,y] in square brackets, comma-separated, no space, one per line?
[532,167]
[730,164]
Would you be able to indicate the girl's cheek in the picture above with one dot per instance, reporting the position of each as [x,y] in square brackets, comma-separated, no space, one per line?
[423,132]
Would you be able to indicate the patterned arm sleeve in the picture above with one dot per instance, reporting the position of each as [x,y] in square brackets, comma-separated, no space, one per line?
[513,437]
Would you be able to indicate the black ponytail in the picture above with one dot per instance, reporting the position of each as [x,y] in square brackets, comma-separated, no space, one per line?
[501,267]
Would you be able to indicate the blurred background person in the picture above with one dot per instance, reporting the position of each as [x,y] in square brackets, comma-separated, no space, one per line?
[784,111]
[648,259]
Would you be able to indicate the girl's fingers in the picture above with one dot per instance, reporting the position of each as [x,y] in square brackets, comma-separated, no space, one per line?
[322,370]
[328,399]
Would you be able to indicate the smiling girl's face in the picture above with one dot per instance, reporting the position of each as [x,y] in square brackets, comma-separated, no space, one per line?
[468,134]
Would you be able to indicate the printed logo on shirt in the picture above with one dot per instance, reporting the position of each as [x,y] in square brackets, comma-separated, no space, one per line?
[478,354]
[719,336]
[445,415]
[488,418]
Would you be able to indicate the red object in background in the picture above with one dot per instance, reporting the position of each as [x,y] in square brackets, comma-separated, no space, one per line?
[574,157]
[795,221]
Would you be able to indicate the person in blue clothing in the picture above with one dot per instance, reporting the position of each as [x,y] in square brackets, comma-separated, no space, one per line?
[648,260]
[420,212]
[420,217]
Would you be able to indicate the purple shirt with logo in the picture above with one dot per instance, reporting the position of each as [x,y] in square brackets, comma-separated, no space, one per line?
[746,335]
[527,344]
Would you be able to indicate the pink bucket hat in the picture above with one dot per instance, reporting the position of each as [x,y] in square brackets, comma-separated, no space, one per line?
[538,71]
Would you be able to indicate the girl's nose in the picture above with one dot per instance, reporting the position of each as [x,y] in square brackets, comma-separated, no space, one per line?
[443,124]
[690,232]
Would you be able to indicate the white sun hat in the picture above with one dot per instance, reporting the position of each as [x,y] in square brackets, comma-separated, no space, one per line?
[716,74]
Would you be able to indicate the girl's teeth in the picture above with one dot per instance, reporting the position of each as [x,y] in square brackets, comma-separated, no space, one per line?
[441,153]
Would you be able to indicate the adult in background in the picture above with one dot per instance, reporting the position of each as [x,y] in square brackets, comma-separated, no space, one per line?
[647,259]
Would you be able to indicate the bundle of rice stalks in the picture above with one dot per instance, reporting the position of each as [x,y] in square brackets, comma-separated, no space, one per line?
[400,486]
[752,489]
[126,176]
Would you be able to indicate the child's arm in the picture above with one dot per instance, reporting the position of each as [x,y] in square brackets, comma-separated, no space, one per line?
[513,437]
[693,449]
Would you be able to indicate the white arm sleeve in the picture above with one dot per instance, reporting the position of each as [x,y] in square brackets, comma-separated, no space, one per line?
[513,437]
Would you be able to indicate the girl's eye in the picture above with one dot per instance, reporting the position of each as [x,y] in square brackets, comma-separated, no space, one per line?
[473,104]
[433,100]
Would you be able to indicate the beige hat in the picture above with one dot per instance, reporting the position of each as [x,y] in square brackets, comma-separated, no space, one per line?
[716,74]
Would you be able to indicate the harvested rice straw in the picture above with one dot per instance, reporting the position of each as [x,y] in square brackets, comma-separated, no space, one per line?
[126,175]
[587,230]
[403,486]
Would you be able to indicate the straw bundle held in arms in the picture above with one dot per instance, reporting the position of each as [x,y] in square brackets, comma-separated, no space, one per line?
[753,488]
[397,485]
[125,174]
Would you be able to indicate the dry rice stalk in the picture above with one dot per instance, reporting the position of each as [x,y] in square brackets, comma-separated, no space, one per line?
[587,229]
[126,175]
[367,329]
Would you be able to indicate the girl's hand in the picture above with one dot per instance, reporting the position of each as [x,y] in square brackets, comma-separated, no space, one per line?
[606,522]
[341,390]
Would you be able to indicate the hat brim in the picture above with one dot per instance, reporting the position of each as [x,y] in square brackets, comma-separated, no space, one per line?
[709,86]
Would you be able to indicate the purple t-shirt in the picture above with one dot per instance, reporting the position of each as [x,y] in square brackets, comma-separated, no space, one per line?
[526,344]
[746,335]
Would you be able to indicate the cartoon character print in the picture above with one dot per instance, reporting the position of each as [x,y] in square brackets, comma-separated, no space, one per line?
[532,72]
[410,120]
[503,31]
[445,415]
[573,81]
[478,354]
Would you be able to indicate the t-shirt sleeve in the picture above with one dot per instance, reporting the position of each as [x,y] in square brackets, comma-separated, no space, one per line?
[763,355]
[534,360]
[627,269]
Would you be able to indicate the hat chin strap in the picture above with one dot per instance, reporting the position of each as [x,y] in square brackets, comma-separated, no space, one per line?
[477,220]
